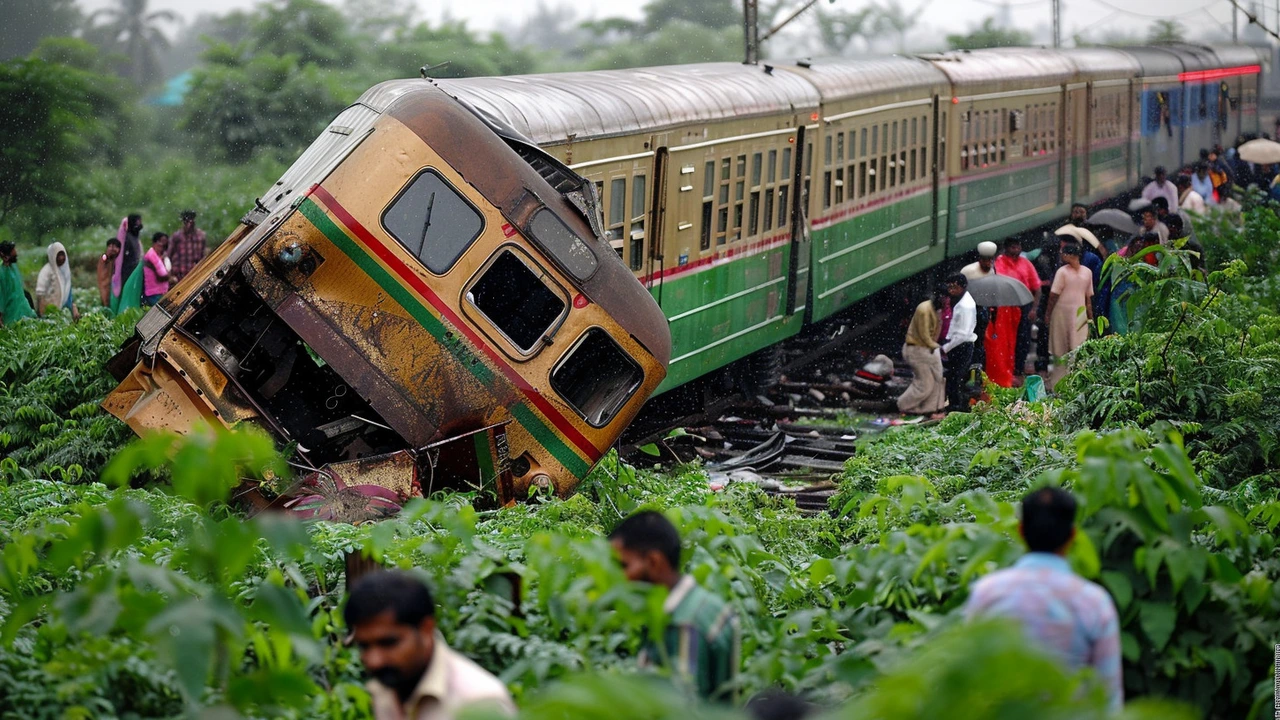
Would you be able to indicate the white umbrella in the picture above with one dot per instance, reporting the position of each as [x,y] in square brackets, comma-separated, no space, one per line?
[1078,233]
[1115,219]
[1261,151]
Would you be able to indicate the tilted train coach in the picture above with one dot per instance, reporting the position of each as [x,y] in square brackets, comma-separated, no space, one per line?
[732,204]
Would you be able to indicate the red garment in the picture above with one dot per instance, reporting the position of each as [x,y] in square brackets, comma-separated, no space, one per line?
[1001,337]
[1019,269]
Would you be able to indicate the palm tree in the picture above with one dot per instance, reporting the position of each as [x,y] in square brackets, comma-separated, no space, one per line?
[134,31]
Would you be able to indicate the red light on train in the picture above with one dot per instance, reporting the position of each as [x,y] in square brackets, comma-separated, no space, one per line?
[955,100]
[1218,74]
[581,301]
[813,117]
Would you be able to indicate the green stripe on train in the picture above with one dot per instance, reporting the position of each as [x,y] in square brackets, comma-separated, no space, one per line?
[544,435]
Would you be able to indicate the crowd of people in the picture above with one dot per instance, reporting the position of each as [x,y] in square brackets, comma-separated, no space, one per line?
[127,276]
[415,675]
[1069,265]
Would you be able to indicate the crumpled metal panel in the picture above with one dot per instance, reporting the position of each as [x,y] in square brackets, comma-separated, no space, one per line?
[1009,68]
[842,78]
[547,108]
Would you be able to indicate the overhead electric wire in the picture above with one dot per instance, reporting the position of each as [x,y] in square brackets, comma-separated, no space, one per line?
[1254,19]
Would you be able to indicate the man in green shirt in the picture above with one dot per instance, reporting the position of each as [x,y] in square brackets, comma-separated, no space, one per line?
[702,643]
[13,302]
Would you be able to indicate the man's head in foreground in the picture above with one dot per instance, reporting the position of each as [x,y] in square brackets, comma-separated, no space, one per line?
[392,618]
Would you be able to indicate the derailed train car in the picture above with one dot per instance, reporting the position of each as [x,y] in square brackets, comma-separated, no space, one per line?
[423,300]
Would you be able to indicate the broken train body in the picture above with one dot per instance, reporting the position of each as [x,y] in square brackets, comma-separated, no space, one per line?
[424,300]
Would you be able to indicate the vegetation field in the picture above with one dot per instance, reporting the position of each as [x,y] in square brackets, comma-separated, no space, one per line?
[131,587]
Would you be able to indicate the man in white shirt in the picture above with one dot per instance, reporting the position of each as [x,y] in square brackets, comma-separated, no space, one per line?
[957,351]
[986,264]
[416,676]
[1189,199]
[1161,187]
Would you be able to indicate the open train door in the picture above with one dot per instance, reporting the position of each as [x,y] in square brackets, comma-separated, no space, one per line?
[798,267]
[655,262]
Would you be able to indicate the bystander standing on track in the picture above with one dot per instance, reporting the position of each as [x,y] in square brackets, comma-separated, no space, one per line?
[1011,263]
[958,349]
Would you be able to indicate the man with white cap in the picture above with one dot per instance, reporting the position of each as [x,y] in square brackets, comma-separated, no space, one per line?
[986,264]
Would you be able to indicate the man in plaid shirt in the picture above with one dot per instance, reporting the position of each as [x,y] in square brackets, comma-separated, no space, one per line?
[1070,617]
[186,246]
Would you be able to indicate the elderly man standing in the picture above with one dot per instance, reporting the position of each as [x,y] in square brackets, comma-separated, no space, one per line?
[416,676]
[186,246]
[985,264]
[1011,263]
[13,301]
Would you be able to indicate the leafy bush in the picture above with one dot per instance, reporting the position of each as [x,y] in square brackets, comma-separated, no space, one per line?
[52,378]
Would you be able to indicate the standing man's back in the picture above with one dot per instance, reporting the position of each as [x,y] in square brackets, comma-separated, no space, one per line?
[1068,616]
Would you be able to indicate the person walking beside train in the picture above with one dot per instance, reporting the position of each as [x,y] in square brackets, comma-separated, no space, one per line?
[1070,311]
[1011,263]
[702,643]
[186,246]
[415,674]
[957,350]
[927,393]
[13,299]
[1188,199]
[1073,619]
[1161,187]
[1203,184]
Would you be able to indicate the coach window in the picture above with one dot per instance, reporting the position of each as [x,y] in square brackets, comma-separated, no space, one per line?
[784,189]
[942,143]
[722,212]
[708,203]
[433,221]
[739,193]
[519,299]
[771,180]
[635,233]
[617,212]
[596,377]
[924,146]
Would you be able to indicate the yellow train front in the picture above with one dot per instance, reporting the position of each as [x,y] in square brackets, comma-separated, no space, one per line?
[424,300]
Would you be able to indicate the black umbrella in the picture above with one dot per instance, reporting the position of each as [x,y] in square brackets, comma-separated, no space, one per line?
[1116,219]
[999,291]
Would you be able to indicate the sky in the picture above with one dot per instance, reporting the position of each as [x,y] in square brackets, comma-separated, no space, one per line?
[947,16]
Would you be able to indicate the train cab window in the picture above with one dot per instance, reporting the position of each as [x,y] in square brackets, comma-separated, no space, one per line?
[562,244]
[433,221]
[518,298]
[596,377]
[635,233]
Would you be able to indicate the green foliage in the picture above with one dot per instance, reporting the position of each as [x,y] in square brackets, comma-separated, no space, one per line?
[52,377]
[237,106]
[467,55]
[49,120]
[313,31]
[988,35]
[132,29]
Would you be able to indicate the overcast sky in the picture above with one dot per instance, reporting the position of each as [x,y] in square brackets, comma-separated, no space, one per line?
[1091,17]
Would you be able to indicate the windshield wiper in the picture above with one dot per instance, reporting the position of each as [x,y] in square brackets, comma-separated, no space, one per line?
[426,224]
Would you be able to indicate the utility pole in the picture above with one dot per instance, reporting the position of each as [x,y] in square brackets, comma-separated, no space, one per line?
[1235,23]
[1057,23]
[751,31]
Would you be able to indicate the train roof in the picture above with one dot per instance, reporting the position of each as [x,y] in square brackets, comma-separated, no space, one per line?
[1160,60]
[1009,68]
[1238,55]
[1098,63]
[843,78]
[606,103]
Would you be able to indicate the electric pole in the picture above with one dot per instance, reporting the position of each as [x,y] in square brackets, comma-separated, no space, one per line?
[751,31]
[1235,23]
[1057,23]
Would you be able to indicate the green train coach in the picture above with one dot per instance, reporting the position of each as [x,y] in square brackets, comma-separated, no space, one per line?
[753,200]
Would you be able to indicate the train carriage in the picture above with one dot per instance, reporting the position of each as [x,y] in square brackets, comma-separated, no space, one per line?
[423,298]
[1005,143]
[1102,163]
[877,201]
[696,166]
